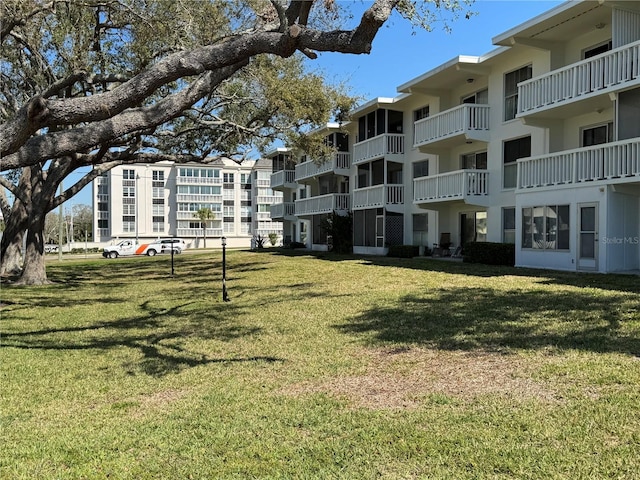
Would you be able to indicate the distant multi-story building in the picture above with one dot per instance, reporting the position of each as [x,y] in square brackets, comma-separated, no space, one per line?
[536,143]
[148,201]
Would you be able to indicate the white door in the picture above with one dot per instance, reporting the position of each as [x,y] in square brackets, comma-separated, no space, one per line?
[588,236]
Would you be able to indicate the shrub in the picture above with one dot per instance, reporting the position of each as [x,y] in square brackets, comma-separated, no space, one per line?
[297,245]
[490,253]
[340,229]
[403,251]
[273,238]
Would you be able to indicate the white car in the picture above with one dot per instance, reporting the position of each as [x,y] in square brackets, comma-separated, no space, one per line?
[130,247]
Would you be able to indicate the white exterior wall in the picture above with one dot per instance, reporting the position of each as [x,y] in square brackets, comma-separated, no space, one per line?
[237,235]
[551,44]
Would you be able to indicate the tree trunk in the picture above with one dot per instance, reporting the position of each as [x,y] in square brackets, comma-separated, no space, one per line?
[11,253]
[204,235]
[34,272]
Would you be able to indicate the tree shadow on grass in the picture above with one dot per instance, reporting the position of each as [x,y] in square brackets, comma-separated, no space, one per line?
[483,319]
[160,336]
[617,282]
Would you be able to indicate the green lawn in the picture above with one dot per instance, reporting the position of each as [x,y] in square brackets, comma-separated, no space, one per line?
[320,367]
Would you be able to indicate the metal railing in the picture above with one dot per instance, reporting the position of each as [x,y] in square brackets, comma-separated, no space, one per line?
[283,177]
[454,185]
[323,204]
[378,196]
[281,210]
[458,120]
[377,147]
[338,161]
[615,68]
[611,162]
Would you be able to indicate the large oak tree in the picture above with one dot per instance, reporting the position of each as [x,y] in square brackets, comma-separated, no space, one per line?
[104,82]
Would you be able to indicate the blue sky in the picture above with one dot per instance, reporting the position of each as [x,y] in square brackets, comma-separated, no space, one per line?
[401,53]
[398,55]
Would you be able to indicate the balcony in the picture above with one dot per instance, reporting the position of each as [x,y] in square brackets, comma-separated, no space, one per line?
[462,123]
[339,163]
[197,232]
[281,211]
[387,145]
[389,196]
[187,197]
[283,179]
[471,186]
[199,180]
[339,202]
[610,163]
[268,199]
[589,79]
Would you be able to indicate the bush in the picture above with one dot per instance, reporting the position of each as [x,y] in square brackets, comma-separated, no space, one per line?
[297,245]
[403,251]
[490,253]
[273,238]
[88,250]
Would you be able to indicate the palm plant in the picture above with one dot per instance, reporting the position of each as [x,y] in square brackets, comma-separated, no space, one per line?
[204,215]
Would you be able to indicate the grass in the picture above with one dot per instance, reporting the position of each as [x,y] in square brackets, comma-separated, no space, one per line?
[320,367]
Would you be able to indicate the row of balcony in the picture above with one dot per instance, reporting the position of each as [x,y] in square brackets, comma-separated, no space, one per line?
[606,73]
[611,163]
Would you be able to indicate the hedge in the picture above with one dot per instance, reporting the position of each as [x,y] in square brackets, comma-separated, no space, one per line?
[403,251]
[490,253]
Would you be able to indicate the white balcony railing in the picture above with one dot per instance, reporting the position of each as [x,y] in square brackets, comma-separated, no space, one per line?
[268,199]
[378,196]
[192,215]
[184,197]
[323,204]
[282,178]
[199,180]
[615,162]
[614,69]
[197,232]
[282,210]
[467,118]
[338,161]
[456,185]
[377,147]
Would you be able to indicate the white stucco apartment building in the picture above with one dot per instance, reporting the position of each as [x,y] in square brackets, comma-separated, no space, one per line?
[536,143]
[149,201]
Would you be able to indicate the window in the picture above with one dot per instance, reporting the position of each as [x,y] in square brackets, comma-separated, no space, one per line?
[128,209]
[421,169]
[513,150]
[476,160]
[421,113]
[509,225]
[478,98]
[420,229]
[158,224]
[158,176]
[102,207]
[128,191]
[597,135]
[158,209]
[546,228]
[227,178]
[597,50]
[511,81]
[129,174]
[103,223]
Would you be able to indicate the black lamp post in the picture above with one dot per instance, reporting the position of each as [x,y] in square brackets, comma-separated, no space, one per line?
[225,297]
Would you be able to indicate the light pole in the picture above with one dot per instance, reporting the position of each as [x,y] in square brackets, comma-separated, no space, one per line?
[225,297]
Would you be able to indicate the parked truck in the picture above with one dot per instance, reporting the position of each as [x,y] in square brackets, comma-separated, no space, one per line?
[130,247]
